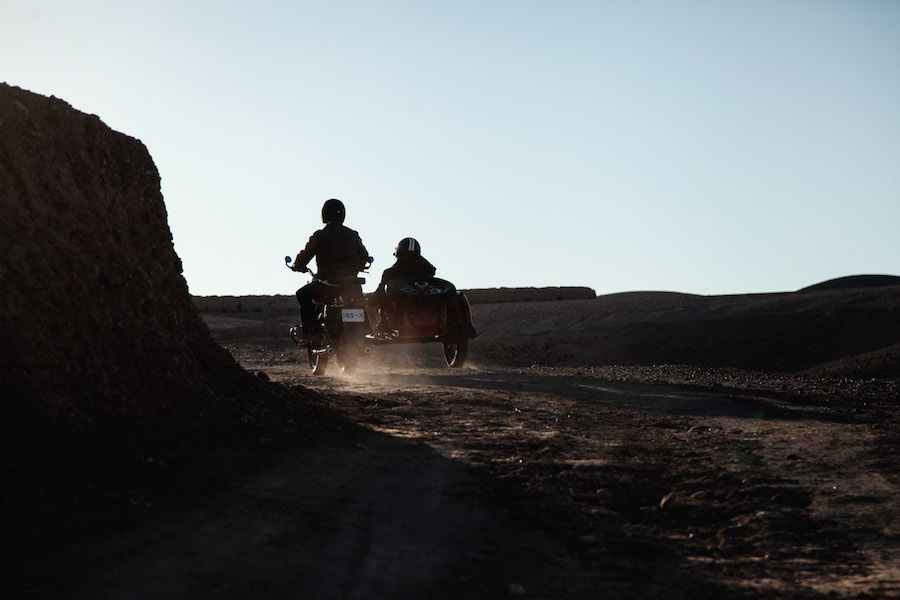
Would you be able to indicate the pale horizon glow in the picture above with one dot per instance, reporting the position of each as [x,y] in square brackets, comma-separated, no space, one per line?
[698,146]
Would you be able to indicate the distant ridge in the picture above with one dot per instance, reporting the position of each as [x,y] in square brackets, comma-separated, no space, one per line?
[529,294]
[280,302]
[854,281]
[648,294]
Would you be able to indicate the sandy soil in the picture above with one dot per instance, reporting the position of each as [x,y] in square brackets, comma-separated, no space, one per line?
[486,482]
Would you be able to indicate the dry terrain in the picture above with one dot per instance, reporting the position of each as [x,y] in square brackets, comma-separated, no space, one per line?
[520,480]
[643,445]
[648,480]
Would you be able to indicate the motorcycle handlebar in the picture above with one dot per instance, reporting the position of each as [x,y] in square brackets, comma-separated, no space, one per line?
[287,263]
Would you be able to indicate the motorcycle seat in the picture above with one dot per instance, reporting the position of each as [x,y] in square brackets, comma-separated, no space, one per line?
[344,281]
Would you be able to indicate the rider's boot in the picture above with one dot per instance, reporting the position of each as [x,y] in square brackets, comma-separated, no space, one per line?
[312,338]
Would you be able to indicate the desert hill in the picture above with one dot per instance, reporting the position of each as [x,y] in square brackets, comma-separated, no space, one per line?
[844,328]
[846,332]
[855,281]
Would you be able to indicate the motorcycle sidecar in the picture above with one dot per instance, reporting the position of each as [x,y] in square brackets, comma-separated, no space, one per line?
[423,310]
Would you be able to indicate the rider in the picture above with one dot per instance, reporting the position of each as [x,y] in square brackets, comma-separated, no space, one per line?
[409,263]
[339,253]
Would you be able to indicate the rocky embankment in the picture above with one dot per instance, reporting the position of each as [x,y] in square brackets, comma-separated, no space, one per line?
[101,348]
[96,311]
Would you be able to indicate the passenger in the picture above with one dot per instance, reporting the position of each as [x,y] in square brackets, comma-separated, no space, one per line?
[409,264]
[339,253]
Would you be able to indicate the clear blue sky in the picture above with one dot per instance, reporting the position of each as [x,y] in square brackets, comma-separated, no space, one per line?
[698,146]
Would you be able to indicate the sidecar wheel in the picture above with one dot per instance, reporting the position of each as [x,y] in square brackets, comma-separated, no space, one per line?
[317,362]
[455,352]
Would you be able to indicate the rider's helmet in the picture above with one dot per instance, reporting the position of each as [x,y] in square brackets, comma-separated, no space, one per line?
[407,246]
[333,210]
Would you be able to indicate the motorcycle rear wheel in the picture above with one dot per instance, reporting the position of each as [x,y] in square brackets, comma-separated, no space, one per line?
[318,362]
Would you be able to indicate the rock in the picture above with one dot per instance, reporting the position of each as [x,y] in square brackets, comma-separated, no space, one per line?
[793,497]
[666,500]
[516,589]
[97,318]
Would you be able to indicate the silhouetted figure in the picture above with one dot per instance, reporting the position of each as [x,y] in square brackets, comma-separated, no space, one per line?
[409,264]
[339,254]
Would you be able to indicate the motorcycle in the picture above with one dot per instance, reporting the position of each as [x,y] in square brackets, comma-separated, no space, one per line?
[422,310]
[341,319]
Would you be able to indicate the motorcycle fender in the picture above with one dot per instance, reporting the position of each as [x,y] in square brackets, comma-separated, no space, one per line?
[462,305]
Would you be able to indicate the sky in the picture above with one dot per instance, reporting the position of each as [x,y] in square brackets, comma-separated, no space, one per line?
[707,147]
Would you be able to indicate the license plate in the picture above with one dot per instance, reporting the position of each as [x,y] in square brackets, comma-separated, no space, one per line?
[353,315]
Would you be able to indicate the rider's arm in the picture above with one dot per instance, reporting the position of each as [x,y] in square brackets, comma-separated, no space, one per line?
[363,253]
[305,255]
[379,293]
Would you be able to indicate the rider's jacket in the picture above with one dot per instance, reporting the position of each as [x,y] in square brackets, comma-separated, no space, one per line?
[339,252]
[408,265]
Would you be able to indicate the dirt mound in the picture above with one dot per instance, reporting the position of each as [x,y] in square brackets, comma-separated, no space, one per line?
[96,312]
[103,355]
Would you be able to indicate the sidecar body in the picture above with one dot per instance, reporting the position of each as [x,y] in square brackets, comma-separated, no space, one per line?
[424,310]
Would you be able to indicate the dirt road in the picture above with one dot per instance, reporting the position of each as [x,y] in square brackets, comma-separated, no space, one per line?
[670,482]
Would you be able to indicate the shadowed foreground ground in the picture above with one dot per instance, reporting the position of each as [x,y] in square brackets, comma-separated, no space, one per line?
[510,481]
